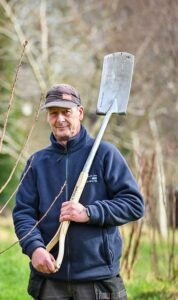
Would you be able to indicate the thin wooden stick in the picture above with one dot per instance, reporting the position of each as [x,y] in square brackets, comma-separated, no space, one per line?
[38,222]
[125,258]
[25,173]
[12,95]
[172,270]
[44,32]
[21,37]
[136,246]
[24,146]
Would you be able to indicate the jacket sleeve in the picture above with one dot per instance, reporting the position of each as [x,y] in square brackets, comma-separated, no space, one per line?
[125,202]
[25,213]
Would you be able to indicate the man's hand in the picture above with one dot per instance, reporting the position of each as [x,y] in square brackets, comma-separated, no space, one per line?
[43,261]
[71,211]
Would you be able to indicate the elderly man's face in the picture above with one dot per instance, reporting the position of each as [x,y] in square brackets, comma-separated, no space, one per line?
[64,122]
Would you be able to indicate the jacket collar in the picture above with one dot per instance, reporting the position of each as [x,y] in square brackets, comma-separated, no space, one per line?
[73,144]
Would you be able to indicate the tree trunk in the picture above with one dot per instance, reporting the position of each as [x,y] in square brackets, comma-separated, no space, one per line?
[161,181]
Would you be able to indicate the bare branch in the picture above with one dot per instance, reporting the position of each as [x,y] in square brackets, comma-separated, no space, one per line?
[25,173]
[44,31]
[24,146]
[12,96]
[21,38]
[38,222]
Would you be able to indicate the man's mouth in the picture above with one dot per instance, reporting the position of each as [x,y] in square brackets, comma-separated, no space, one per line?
[61,127]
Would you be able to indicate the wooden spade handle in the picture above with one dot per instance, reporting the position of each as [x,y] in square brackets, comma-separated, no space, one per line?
[54,240]
[62,237]
[60,234]
[79,187]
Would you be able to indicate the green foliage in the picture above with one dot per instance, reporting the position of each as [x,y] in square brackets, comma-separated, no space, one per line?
[13,141]
[14,275]
[6,164]
[151,289]
[14,134]
[143,285]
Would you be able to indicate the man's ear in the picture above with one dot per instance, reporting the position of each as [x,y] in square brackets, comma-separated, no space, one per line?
[81,111]
[47,116]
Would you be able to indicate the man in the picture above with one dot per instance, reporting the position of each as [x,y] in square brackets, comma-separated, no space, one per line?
[90,267]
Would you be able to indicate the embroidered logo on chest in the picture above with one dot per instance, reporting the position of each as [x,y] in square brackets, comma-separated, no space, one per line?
[92,178]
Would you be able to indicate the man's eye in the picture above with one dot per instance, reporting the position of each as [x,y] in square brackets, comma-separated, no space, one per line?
[68,112]
[53,113]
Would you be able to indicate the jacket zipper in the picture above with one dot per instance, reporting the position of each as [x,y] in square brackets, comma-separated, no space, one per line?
[67,237]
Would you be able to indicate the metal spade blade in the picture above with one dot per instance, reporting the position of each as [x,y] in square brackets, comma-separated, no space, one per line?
[115,83]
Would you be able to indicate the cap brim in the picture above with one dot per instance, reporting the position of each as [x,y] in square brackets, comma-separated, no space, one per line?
[63,104]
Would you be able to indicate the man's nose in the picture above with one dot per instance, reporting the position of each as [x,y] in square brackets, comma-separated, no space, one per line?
[60,117]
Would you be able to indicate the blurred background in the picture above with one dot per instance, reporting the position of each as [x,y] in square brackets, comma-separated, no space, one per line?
[66,41]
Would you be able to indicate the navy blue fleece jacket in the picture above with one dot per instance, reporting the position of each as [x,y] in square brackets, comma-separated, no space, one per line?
[93,249]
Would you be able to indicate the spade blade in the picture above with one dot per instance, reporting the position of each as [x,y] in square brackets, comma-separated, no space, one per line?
[116,82]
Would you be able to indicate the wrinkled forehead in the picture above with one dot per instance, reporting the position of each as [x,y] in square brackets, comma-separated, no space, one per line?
[59,109]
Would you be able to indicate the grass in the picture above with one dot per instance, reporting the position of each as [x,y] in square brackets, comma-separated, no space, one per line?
[143,285]
[14,269]
[14,276]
